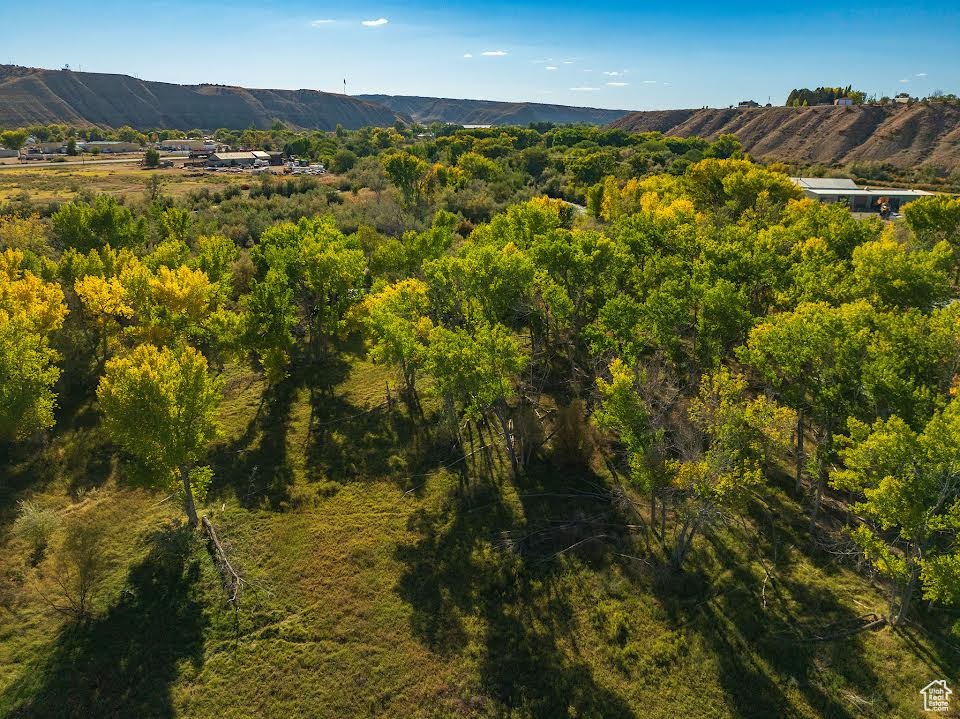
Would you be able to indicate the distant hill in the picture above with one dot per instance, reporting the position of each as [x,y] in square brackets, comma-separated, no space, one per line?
[33,96]
[490,112]
[903,135]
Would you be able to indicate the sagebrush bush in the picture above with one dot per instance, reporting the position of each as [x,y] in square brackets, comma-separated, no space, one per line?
[36,524]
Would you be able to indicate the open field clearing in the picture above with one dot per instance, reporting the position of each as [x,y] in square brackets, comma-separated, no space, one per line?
[63,183]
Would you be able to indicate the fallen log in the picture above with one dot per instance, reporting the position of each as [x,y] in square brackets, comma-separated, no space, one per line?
[232,581]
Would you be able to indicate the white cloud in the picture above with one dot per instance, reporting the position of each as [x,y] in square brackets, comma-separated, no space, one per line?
[583,89]
[649,82]
[493,53]
[618,84]
[612,73]
[376,23]
[904,81]
[568,62]
[550,67]
[321,23]
[467,55]
[921,74]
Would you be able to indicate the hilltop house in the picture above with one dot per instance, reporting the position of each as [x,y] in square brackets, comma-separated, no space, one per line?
[859,199]
[843,101]
[903,98]
[748,103]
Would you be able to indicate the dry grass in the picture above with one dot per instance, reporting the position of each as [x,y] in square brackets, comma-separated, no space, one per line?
[63,183]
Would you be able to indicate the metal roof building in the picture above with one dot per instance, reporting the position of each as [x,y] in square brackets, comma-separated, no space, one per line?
[859,199]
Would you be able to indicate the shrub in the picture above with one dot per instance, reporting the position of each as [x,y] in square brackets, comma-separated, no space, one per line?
[36,524]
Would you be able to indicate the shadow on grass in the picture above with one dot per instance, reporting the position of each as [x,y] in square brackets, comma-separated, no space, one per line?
[255,467]
[765,656]
[122,664]
[476,587]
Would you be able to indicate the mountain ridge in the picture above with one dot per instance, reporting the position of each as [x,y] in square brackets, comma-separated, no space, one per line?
[465,111]
[901,135]
[30,96]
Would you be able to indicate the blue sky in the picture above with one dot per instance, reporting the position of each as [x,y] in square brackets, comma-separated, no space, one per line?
[627,55]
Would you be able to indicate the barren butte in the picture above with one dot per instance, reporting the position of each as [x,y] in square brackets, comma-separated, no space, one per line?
[902,135]
[31,96]
[491,112]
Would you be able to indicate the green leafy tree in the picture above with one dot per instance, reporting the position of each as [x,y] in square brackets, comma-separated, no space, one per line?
[160,406]
[405,171]
[909,485]
[740,435]
[343,161]
[936,219]
[624,412]
[475,370]
[396,321]
[888,274]
[13,139]
[270,317]
[725,147]
[814,357]
[83,226]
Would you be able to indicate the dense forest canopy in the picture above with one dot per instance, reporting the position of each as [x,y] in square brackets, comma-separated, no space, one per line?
[661,322]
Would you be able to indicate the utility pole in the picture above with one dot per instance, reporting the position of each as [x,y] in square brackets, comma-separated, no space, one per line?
[344,86]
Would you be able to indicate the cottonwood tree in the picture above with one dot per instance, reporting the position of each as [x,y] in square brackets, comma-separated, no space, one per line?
[739,435]
[102,300]
[91,226]
[269,319]
[30,310]
[397,323]
[475,370]
[909,487]
[814,357]
[405,171]
[624,412]
[888,274]
[333,270]
[160,406]
[934,219]
[13,139]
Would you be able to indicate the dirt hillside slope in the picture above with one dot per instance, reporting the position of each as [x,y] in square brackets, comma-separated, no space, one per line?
[490,112]
[31,96]
[905,136]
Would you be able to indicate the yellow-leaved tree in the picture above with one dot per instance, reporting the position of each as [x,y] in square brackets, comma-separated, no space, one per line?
[30,309]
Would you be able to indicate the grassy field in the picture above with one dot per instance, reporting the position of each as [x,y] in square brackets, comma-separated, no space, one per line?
[381,580]
[63,183]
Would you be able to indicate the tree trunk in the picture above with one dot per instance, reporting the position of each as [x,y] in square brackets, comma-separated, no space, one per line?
[188,497]
[682,543]
[663,515]
[653,510]
[500,409]
[799,450]
[906,596]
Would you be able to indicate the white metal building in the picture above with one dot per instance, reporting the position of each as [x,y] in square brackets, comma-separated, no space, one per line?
[858,199]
